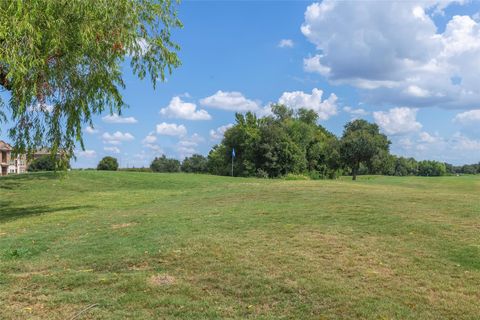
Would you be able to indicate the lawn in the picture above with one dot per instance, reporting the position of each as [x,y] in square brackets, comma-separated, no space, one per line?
[164,246]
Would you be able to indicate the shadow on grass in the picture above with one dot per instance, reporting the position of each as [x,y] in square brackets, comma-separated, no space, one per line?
[8,212]
[13,182]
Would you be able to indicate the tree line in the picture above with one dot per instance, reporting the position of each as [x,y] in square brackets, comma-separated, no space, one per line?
[291,142]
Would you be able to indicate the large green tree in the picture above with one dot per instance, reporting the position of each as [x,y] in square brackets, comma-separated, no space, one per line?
[108,164]
[360,143]
[287,141]
[60,61]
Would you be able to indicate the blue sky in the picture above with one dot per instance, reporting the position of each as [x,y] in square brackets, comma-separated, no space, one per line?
[411,67]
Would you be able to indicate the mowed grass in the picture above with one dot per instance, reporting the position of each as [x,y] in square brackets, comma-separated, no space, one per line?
[166,246]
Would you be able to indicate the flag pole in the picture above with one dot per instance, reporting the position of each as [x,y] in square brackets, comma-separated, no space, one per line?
[233,156]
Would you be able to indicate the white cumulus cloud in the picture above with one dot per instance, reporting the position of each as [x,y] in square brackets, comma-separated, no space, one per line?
[359,112]
[112,149]
[171,129]
[456,149]
[468,117]
[115,118]
[87,153]
[425,137]
[395,51]
[150,138]
[230,101]
[184,110]
[117,137]
[398,121]
[188,146]
[464,143]
[313,64]
[299,99]
[217,134]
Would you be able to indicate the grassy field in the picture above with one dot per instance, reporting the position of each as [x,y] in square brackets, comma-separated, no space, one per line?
[165,246]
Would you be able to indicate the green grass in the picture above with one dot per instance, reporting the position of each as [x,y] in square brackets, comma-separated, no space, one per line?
[164,246]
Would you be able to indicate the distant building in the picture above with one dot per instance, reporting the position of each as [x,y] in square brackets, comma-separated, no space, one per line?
[10,164]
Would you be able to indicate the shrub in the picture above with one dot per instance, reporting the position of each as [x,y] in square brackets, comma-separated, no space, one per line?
[44,163]
[291,176]
[108,163]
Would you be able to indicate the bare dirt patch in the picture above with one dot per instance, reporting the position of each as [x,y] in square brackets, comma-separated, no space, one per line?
[162,280]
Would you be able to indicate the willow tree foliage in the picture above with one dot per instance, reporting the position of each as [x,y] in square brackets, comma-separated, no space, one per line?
[61,62]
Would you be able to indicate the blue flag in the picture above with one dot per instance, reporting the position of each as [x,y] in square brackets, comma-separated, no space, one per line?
[233,152]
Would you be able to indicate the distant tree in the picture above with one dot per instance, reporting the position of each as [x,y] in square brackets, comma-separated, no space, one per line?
[382,163]
[108,164]
[278,154]
[195,164]
[218,160]
[276,145]
[360,142]
[43,163]
[164,164]
[430,168]
[405,166]
[244,137]
[450,168]
[469,169]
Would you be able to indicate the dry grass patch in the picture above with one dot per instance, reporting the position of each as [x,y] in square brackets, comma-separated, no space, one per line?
[161,280]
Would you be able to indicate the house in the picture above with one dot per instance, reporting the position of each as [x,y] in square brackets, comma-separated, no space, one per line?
[10,164]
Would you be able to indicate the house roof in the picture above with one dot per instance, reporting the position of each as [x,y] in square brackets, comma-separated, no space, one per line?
[5,146]
[40,152]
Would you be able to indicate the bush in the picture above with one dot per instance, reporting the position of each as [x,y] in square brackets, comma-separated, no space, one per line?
[291,176]
[164,164]
[261,174]
[315,175]
[44,163]
[108,163]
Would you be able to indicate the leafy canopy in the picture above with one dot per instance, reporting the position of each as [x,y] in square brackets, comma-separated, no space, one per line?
[108,163]
[164,164]
[195,164]
[360,143]
[45,163]
[60,60]
[288,141]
